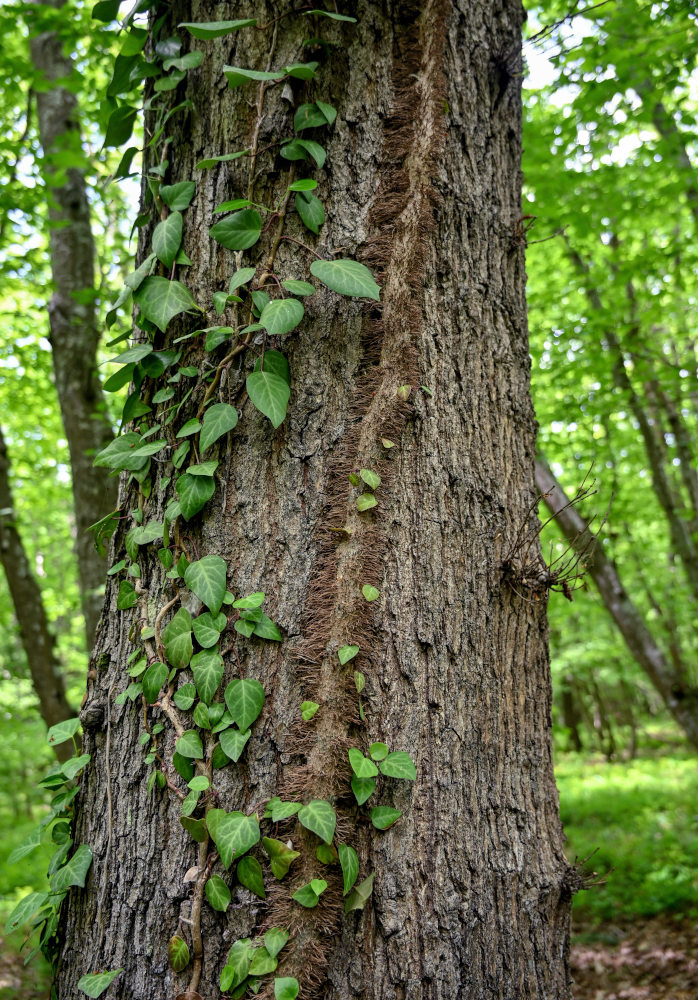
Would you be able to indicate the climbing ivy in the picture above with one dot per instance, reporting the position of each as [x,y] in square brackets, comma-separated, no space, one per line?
[176,671]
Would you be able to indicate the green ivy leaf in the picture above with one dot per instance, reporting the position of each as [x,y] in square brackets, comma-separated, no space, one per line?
[250,602]
[160,300]
[262,963]
[366,501]
[95,983]
[233,743]
[245,700]
[349,860]
[308,116]
[153,679]
[363,789]
[238,231]
[280,856]
[167,238]
[360,765]
[302,71]
[189,745]
[206,577]
[176,637]
[203,468]
[319,817]
[378,751]
[281,316]
[311,211]
[127,596]
[62,731]
[328,111]
[360,681]
[233,833]
[370,593]
[217,893]
[184,696]
[348,277]
[274,363]
[236,76]
[283,810]
[298,287]
[360,896]
[346,653]
[177,953]
[177,197]
[196,828]
[249,873]
[266,629]
[308,710]
[207,628]
[26,846]
[275,939]
[309,895]
[326,854]
[270,394]
[237,966]
[218,420]
[215,29]
[300,149]
[383,817]
[399,765]
[194,492]
[27,907]
[74,872]
[286,988]
[211,161]
[372,479]
[120,126]
[207,668]
[335,17]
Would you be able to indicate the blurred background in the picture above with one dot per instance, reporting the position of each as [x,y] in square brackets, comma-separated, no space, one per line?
[610,217]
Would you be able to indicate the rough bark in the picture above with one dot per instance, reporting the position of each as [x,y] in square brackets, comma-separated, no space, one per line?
[671,683]
[35,632]
[74,332]
[472,890]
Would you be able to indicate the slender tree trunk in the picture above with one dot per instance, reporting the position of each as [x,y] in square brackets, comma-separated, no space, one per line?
[680,698]
[74,333]
[472,890]
[38,643]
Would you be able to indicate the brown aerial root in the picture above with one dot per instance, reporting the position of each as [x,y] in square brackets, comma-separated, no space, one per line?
[336,612]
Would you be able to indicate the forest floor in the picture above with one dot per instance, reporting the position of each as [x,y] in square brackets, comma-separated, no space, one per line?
[654,959]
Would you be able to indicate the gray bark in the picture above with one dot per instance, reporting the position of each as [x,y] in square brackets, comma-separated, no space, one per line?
[472,889]
[74,332]
[37,640]
[670,682]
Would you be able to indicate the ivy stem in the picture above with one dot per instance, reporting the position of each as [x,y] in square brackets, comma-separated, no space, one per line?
[158,622]
[205,864]
[254,145]
[305,247]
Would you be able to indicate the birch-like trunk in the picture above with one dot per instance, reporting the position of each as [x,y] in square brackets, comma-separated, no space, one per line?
[422,182]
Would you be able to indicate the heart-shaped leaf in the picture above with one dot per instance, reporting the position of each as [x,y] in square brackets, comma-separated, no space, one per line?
[194,492]
[218,420]
[281,316]
[95,983]
[399,765]
[238,231]
[349,860]
[245,699]
[167,238]
[189,745]
[207,668]
[74,872]
[348,277]
[249,873]
[319,817]
[206,577]
[360,896]
[280,856]
[383,817]
[160,300]
[217,893]
[233,833]
[360,765]
[176,637]
[208,627]
[270,394]
[233,743]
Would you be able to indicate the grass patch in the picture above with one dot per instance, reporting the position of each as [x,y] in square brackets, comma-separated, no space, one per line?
[640,817]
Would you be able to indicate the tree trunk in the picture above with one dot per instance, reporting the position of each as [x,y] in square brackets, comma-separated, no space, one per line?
[422,182]
[74,332]
[673,685]
[37,641]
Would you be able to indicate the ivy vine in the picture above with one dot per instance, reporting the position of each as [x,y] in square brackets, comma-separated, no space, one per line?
[176,670]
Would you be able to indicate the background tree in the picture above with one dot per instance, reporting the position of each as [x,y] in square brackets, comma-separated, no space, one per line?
[453,662]
[609,160]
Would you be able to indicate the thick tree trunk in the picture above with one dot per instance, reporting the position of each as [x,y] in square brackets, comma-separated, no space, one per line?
[671,683]
[74,332]
[37,641]
[472,889]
